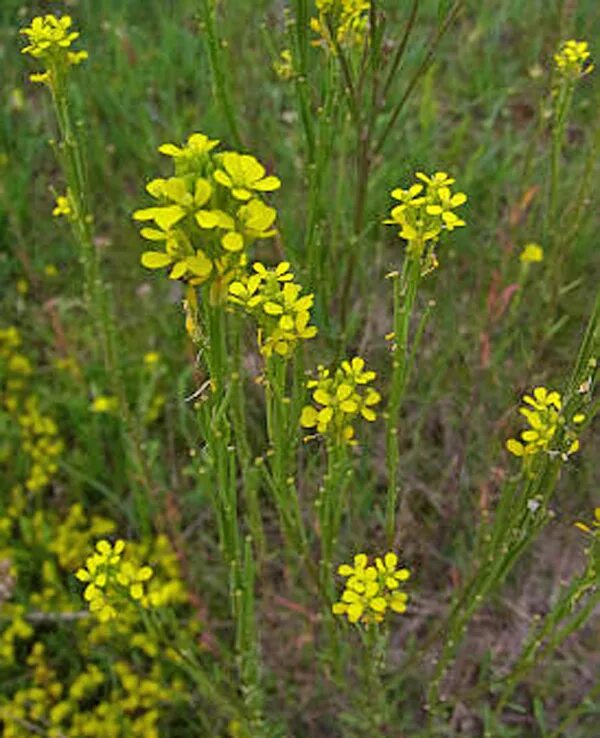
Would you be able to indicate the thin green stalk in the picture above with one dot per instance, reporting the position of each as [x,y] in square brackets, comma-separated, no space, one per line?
[405,291]
[547,632]
[98,297]
[248,648]
[419,73]
[208,12]
[374,706]
[399,55]
[283,434]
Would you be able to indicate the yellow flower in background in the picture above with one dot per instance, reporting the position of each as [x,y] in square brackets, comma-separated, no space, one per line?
[110,580]
[371,590]
[532,253]
[243,175]
[284,66]
[278,306]
[63,207]
[572,59]
[50,39]
[340,399]
[346,19]
[151,358]
[105,404]
[542,410]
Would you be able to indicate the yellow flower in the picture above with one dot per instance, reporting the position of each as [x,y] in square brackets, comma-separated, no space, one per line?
[370,590]
[63,207]
[347,18]
[542,410]
[105,404]
[110,580]
[339,399]
[284,67]
[532,252]
[572,59]
[191,157]
[50,39]
[275,301]
[151,358]
[426,209]
[243,175]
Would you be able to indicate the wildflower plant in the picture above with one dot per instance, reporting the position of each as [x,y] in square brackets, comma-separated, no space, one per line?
[425,213]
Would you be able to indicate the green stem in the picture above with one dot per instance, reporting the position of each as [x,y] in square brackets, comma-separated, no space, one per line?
[208,10]
[405,291]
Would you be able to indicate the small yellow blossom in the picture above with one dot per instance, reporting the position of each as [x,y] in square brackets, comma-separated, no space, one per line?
[50,271]
[22,286]
[63,207]
[110,579]
[426,209]
[542,410]
[284,67]
[572,59]
[371,590]
[346,19]
[532,252]
[105,404]
[276,302]
[151,358]
[340,399]
[243,175]
[193,155]
[50,39]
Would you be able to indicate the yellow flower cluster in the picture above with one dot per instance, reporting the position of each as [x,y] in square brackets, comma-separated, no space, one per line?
[531,254]
[38,433]
[105,404]
[50,39]
[63,207]
[339,399]
[341,22]
[40,440]
[542,410]
[426,209]
[208,214]
[276,302]
[371,591]
[109,579]
[95,704]
[572,59]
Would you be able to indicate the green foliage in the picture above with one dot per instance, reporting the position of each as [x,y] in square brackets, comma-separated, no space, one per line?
[192,418]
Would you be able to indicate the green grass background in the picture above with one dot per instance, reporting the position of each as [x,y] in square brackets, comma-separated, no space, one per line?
[476,116]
